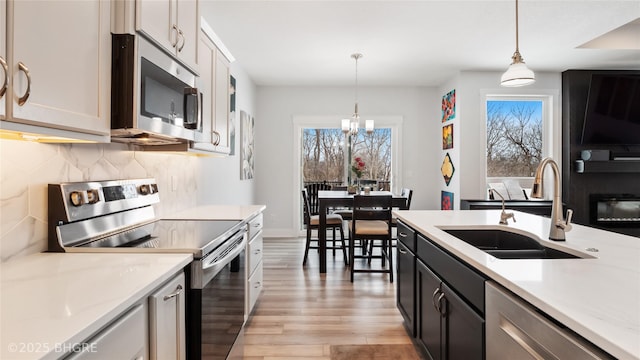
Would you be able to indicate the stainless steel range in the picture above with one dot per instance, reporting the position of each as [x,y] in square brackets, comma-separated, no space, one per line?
[118,216]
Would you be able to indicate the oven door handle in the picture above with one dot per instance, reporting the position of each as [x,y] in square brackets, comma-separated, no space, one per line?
[237,249]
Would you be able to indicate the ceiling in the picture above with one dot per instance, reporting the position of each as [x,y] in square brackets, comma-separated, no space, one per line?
[420,42]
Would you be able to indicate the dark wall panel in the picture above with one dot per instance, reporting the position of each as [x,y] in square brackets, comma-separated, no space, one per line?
[576,186]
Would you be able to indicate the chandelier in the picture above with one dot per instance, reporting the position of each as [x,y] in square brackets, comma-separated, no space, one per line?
[518,74]
[350,126]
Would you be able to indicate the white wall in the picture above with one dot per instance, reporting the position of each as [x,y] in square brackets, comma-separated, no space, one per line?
[276,108]
[219,177]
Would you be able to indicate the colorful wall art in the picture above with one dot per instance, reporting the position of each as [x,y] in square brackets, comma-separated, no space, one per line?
[447,169]
[246,151]
[446,200]
[447,137]
[449,106]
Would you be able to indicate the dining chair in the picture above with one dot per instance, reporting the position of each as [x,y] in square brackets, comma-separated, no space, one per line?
[371,222]
[312,191]
[312,222]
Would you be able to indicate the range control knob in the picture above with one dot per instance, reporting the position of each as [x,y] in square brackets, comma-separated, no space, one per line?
[93,196]
[76,198]
[145,190]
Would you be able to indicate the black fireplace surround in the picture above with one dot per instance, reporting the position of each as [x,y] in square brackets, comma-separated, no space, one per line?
[590,190]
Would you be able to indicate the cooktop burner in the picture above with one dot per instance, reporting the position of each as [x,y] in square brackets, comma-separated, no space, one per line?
[199,237]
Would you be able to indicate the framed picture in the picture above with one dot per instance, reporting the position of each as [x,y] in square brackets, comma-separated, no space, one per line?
[446,200]
[447,169]
[447,137]
[449,106]
[246,150]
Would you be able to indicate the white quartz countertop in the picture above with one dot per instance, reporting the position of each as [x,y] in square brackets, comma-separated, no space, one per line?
[218,212]
[598,297]
[51,299]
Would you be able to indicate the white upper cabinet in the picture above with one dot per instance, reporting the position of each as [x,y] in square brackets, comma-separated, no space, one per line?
[173,24]
[222,102]
[213,83]
[59,64]
[4,69]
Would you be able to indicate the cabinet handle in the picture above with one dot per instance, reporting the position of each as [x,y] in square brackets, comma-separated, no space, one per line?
[258,284]
[217,136]
[23,99]
[175,32]
[173,294]
[433,298]
[402,234]
[5,68]
[402,251]
[181,34]
[440,307]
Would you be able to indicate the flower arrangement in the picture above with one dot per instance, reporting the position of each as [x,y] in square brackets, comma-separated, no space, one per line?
[358,166]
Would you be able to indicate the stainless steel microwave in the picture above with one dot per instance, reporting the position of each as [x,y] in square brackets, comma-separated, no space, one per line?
[154,99]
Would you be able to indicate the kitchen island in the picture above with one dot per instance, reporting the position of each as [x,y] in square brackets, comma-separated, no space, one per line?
[597,295]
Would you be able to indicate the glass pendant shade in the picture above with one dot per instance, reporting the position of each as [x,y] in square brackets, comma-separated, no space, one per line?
[369,126]
[518,74]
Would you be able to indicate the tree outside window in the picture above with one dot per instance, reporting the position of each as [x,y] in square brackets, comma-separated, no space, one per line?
[514,137]
[324,152]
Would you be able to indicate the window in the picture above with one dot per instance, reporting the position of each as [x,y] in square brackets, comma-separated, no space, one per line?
[324,152]
[515,139]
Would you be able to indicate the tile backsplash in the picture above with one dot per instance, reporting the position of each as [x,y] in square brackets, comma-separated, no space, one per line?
[26,168]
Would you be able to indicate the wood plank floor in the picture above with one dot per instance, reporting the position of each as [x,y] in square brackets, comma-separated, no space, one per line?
[302,313]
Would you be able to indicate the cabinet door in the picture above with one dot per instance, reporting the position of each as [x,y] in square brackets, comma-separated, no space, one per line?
[189,27]
[222,102]
[167,321]
[405,285]
[463,329]
[61,59]
[3,58]
[206,56]
[157,19]
[428,319]
[125,338]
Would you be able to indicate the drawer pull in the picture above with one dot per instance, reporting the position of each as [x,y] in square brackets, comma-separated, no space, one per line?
[258,284]
[173,294]
[402,251]
[402,234]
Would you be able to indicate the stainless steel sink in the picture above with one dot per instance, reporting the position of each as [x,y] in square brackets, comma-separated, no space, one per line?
[507,245]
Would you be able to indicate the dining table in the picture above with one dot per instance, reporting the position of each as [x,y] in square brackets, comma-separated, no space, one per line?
[328,199]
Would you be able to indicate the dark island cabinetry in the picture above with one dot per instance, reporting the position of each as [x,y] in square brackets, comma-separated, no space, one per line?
[447,318]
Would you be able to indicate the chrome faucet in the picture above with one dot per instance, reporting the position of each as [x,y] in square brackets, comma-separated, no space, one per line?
[559,225]
[504,216]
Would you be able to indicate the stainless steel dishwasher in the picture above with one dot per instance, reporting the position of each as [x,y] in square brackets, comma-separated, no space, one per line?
[517,330]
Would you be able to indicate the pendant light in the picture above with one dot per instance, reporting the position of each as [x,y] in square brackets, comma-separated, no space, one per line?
[352,125]
[518,74]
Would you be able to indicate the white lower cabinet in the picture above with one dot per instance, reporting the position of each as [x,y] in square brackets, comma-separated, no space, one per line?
[124,339]
[254,263]
[153,328]
[167,321]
